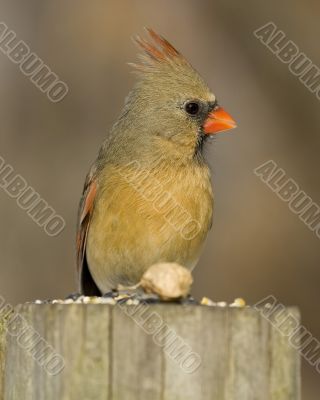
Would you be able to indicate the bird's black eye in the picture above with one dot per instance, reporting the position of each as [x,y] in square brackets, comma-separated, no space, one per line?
[192,107]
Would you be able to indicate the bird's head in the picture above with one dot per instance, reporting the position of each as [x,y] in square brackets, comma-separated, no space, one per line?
[171,105]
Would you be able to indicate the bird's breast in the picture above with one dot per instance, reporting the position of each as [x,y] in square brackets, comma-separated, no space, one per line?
[142,216]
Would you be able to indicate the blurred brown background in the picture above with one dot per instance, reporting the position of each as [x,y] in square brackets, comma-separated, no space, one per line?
[257,247]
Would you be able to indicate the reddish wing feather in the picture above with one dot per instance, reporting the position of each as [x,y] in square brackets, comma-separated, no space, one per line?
[86,208]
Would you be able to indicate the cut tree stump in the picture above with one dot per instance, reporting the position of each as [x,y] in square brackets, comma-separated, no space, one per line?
[144,352]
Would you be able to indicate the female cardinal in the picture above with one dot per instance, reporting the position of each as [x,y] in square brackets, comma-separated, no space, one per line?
[148,196]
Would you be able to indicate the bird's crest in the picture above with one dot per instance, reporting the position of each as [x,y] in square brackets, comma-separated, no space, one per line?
[158,51]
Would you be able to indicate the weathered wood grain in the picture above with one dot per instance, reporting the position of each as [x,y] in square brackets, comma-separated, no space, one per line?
[158,352]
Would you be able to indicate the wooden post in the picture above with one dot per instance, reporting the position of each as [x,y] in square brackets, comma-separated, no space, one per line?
[145,352]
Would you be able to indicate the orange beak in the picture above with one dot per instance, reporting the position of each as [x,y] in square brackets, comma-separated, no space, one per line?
[218,121]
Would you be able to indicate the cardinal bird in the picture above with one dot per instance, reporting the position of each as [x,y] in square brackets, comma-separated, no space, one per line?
[148,196]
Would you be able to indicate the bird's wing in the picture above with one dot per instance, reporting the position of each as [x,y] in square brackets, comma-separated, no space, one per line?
[87,284]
